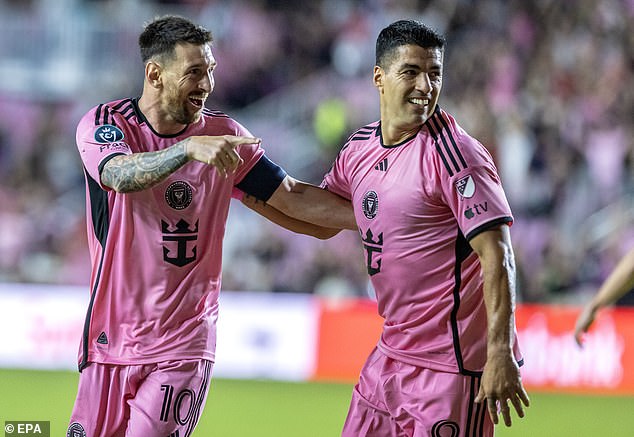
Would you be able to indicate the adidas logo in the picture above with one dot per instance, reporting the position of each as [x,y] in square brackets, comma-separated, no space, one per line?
[103,339]
[382,166]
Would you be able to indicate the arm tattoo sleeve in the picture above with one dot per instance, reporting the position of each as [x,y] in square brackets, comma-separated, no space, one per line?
[139,171]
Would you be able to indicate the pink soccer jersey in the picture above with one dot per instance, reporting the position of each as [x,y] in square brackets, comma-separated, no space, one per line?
[417,204]
[156,254]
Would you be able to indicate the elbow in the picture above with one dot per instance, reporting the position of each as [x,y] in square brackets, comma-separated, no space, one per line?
[326,233]
[119,188]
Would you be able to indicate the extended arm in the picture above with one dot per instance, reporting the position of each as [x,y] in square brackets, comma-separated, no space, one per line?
[501,381]
[139,171]
[281,219]
[312,204]
[617,284]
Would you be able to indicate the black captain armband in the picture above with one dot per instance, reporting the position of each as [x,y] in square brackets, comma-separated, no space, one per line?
[263,179]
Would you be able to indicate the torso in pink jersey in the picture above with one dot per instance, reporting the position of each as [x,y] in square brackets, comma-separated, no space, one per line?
[156,254]
[417,204]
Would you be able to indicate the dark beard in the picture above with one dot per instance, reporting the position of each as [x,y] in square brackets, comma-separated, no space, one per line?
[178,111]
[181,116]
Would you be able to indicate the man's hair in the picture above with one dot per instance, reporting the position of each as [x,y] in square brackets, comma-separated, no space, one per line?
[160,36]
[405,32]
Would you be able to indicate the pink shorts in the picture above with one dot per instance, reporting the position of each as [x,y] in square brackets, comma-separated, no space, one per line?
[162,400]
[394,399]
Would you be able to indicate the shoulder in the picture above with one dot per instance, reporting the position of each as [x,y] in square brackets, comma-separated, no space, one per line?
[362,138]
[454,147]
[219,123]
[111,112]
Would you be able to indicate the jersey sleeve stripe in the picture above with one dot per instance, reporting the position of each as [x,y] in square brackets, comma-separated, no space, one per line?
[442,156]
[365,133]
[104,114]
[107,118]
[443,138]
[360,137]
[439,149]
[443,121]
[214,113]
[98,115]
[121,104]
[125,108]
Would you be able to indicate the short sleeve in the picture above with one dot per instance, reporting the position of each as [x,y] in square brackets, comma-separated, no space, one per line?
[336,180]
[97,143]
[475,194]
[250,153]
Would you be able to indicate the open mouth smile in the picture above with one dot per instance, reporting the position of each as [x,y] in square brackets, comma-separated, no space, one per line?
[197,101]
[420,101]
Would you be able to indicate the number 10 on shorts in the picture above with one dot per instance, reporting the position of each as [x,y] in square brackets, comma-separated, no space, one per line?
[182,406]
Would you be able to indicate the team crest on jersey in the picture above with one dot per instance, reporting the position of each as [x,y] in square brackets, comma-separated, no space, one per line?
[75,430]
[370,204]
[108,133]
[178,195]
[466,187]
[445,428]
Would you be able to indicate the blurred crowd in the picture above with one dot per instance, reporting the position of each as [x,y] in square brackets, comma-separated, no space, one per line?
[546,85]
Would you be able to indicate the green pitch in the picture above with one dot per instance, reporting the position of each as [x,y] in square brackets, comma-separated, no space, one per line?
[276,409]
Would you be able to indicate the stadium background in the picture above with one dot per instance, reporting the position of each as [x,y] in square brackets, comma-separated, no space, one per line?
[546,85]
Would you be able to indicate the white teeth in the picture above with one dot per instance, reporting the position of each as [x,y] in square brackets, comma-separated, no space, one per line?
[418,101]
[198,101]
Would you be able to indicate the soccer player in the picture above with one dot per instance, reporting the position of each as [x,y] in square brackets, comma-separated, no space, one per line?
[618,283]
[434,223]
[160,171]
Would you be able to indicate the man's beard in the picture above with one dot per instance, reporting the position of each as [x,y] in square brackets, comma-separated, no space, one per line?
[178,111]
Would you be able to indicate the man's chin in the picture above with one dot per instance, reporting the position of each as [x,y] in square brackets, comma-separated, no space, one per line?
[195,118]
[191,117]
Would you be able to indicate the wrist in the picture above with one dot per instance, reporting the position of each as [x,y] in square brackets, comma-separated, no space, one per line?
[499,350]
[185,145]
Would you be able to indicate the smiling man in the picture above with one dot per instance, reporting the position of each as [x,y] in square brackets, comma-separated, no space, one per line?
[160,173]
[434,222]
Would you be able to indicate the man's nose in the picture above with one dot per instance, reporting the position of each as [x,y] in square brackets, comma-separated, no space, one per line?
[207,83]
[423,83]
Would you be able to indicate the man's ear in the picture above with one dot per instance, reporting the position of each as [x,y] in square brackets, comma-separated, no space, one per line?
[377,77]
[153,74]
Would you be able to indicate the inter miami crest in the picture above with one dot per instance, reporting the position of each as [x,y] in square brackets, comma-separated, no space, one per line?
[370,204]
[108,133]
[178,195]
[76,430]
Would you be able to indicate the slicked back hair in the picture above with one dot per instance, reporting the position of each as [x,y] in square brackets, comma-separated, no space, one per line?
[160,36]
[405,32]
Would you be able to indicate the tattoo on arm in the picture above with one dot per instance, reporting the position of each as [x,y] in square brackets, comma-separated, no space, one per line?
[140,171]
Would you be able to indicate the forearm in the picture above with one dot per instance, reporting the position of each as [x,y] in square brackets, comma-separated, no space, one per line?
[312,204]
[617,284]
[281,219]
[499,299]
[498,271]
[139,171]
